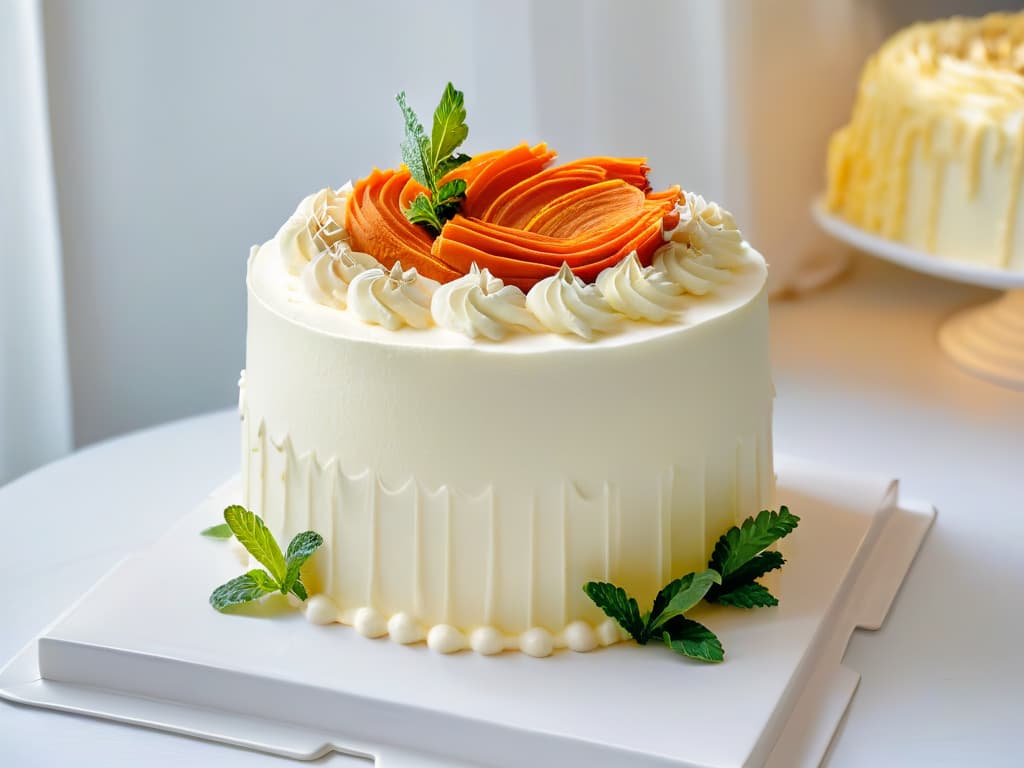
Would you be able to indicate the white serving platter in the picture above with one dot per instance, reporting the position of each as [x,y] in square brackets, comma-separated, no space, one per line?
[144,647]
[912,258]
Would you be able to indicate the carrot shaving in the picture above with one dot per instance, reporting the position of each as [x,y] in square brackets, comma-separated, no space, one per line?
[522,218]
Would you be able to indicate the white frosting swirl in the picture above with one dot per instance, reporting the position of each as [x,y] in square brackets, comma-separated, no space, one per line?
[392,299]
[709,228]
[327,277]
[637,292]
[317,224]
[480,304]
[565,304]
[693,271]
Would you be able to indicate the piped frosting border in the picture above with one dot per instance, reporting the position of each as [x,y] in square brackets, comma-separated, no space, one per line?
[698,254]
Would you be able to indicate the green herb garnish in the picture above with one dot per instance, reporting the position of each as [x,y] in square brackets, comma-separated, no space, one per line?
[738,560]
[283,570]
[665,620]
[222,531]
[429,159]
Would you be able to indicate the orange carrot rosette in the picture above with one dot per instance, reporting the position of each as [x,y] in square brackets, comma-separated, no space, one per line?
[509,211]
[521,219]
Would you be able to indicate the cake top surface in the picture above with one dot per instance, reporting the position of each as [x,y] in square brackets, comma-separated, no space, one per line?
[288,295]
[973,65]
[503,245]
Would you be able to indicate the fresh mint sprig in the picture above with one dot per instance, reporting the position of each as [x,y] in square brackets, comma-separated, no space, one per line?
[741,559]
[665,620]
[283,570]
[738,560]
[429,159]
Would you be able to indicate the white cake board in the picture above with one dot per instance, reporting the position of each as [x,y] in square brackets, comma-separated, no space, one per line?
[144,647]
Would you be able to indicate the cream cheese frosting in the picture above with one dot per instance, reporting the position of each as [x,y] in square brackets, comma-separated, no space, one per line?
[327,277]
[693,271]
[467,490]
[317,224]
[709,229]
[314,245]
[480,304]
[392,298]
[565,304]
[639,293]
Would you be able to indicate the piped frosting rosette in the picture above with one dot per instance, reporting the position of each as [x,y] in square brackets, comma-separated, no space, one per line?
[479,304]
[392,298]
[317,225]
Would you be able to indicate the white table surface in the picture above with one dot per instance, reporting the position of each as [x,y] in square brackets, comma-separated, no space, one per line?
[861,384]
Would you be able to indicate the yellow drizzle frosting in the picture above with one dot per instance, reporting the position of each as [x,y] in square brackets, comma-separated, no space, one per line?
[946,91]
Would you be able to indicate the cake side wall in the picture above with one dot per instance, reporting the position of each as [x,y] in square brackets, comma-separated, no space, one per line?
[485,489]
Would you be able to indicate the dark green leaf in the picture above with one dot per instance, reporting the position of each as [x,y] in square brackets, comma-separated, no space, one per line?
[680,596]
[257,539]
[299,550]
[753,569]
[756,567]
[450,129]
[750,595]
[741,543]
[222,531]
[243,589]
[421,211]
[448,200]
[299,591]
[415,146]
[449,164]
[618,605]
[692,639]
[453,191]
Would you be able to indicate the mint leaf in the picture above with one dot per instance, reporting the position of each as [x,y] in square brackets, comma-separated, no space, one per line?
[416,146]
[448,199]
[680,596]
[243,589]
[741,543]
[692,639]
[257,539]
[453,191]
[450,128]
[738,556]
[749,595]
[421,211]
[449,164]
[222,531]
[755,568]
[617,604]
[299,591]
[299,551]
[430,159]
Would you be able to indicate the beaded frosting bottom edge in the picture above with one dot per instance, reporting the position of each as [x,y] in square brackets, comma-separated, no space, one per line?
[403,628]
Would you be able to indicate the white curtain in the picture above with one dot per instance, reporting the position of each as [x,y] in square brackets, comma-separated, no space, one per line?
[183,133]
[733,100]
[34,407]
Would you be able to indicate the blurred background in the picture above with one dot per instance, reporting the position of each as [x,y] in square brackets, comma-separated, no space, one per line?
[144,146]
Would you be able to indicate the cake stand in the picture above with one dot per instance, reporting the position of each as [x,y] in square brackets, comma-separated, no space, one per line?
[987,341]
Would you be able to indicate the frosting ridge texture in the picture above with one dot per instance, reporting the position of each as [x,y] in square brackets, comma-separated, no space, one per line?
[479,304]
[563,303]
[392,298]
